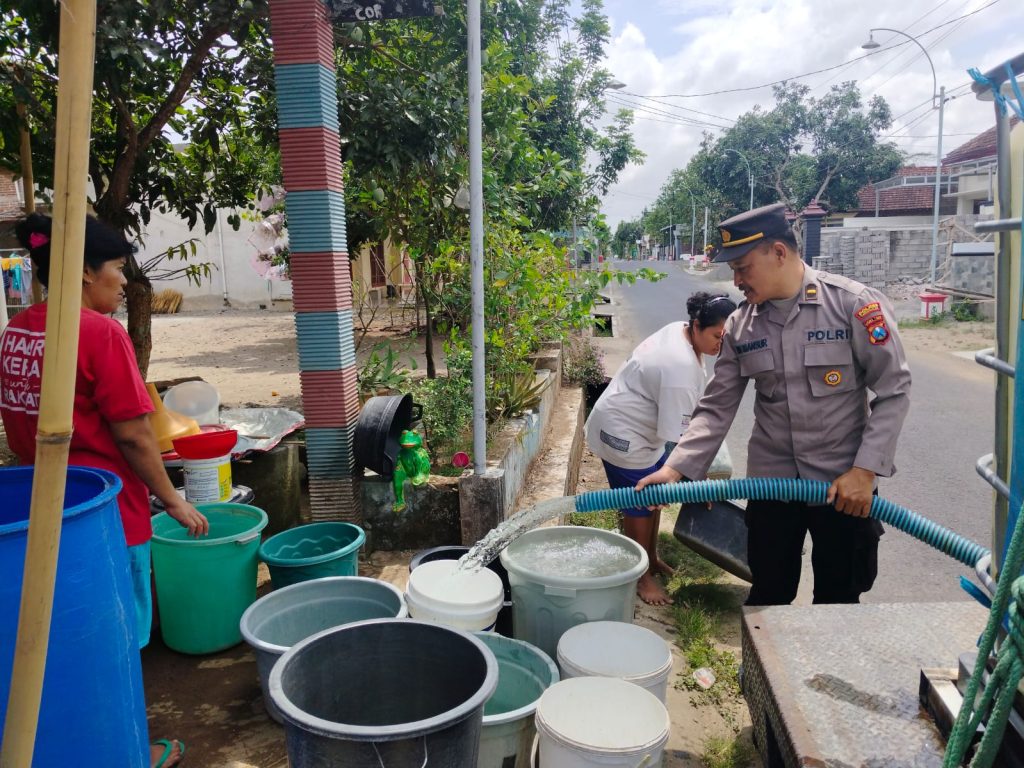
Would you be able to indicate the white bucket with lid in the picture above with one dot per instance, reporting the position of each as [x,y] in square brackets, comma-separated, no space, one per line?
[616,649]
[599,721]
[439,592]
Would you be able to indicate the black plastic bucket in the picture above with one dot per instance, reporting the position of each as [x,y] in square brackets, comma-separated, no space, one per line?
[454,552]
[381,423]
[396,693]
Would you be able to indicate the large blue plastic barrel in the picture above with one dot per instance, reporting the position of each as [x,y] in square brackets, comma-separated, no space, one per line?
[93,709]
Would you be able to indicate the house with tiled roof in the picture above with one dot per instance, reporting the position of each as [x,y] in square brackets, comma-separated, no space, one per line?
[973,166]
[911,192]
[968,178]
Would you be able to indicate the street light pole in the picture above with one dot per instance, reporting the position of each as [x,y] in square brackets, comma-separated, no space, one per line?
[476,236]
[750,176]
[938,102]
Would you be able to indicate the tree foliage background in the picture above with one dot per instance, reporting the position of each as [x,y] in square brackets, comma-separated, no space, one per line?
[183,115]
[803,148]
[185,122]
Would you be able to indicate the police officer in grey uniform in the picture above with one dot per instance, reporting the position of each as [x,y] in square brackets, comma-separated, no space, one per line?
[814,344]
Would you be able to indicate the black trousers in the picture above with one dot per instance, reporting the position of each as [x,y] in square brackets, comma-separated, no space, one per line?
[844,552]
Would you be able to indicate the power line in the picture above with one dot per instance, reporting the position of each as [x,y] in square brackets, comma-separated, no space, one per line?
[682,120]
[818,71]
[676,106]
[915,53]
[908,26]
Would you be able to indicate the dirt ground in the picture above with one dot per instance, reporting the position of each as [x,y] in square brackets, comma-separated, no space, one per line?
[251,355]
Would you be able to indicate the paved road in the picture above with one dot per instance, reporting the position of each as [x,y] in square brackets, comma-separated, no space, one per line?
[949,426]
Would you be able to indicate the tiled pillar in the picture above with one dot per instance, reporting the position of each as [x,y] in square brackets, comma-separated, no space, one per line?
[321,283]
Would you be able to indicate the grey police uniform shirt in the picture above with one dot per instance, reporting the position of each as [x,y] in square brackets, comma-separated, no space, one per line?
[812,371]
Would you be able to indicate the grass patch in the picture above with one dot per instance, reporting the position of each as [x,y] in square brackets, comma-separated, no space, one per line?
[720,752]
[607,519]
[701,600]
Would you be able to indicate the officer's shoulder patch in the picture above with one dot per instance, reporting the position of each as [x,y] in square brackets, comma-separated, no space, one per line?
[866,311]
[878,331]
[810,292]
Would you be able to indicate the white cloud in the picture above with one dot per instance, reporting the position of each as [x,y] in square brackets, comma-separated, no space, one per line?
[677,47]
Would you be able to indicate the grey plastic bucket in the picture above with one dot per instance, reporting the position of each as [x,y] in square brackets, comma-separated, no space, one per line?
[524,673]
[545,605]
[387,693]
[284,617]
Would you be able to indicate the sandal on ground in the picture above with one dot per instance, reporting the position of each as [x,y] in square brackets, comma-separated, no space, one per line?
[168,745]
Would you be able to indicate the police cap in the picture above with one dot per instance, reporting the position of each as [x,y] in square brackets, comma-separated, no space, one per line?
[746,230]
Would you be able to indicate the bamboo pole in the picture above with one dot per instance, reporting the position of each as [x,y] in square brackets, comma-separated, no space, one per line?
[28,184]
[74,104]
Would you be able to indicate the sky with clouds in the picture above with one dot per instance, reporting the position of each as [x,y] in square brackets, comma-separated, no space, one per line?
[663,48]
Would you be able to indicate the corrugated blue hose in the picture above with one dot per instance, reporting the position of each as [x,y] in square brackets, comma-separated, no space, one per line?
[782,489]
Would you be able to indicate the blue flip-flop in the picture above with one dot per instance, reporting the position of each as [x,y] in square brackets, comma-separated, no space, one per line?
[168,745]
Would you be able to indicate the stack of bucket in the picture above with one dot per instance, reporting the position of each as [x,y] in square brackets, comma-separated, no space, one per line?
[438,686]
[609,707]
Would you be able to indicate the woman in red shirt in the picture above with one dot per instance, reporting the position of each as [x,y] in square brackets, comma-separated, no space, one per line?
[111,424]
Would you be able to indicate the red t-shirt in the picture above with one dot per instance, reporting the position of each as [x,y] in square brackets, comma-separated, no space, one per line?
[108,388]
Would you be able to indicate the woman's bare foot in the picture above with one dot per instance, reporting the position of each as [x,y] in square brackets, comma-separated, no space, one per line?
[651,592]
[165,753]
[662,568]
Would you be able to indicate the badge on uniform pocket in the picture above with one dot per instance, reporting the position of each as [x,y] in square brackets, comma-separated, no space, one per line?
[833,378]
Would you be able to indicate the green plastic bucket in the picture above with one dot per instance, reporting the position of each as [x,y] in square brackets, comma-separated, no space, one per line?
[312,551]
[204,585]
[524,673]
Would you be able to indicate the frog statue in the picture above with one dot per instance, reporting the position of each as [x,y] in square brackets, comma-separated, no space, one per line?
[413,464]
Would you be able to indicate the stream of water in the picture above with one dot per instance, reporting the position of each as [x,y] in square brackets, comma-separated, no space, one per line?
[488,548]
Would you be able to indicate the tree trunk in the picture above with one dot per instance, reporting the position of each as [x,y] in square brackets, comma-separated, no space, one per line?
[139,295]
[428,336]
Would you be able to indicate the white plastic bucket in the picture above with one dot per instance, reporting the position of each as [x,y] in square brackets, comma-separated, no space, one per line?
[207,480]
[467,600]
[547,602]
[616,649]
[599,721]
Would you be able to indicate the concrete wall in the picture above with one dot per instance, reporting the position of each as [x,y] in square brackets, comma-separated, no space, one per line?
[518,443]
[885,222]
[230,255]
[973,272]
[433,515]
[876,256]
[11,197]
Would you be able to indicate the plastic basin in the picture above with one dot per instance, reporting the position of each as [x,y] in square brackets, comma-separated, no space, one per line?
[312,552]
[203,586]
[196,399]
[286,616]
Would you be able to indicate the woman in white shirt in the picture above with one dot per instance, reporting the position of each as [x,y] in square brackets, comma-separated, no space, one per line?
[647,404]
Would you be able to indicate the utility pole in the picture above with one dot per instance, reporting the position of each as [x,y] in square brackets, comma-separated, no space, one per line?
[938,190]
[705,230]
[671,231]
[476,235]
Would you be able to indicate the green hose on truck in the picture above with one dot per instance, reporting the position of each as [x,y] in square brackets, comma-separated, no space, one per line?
[783,489]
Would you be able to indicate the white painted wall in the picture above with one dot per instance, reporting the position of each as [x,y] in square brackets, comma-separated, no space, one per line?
[231,261]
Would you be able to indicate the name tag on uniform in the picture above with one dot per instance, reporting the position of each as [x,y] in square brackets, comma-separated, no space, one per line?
[750,346]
